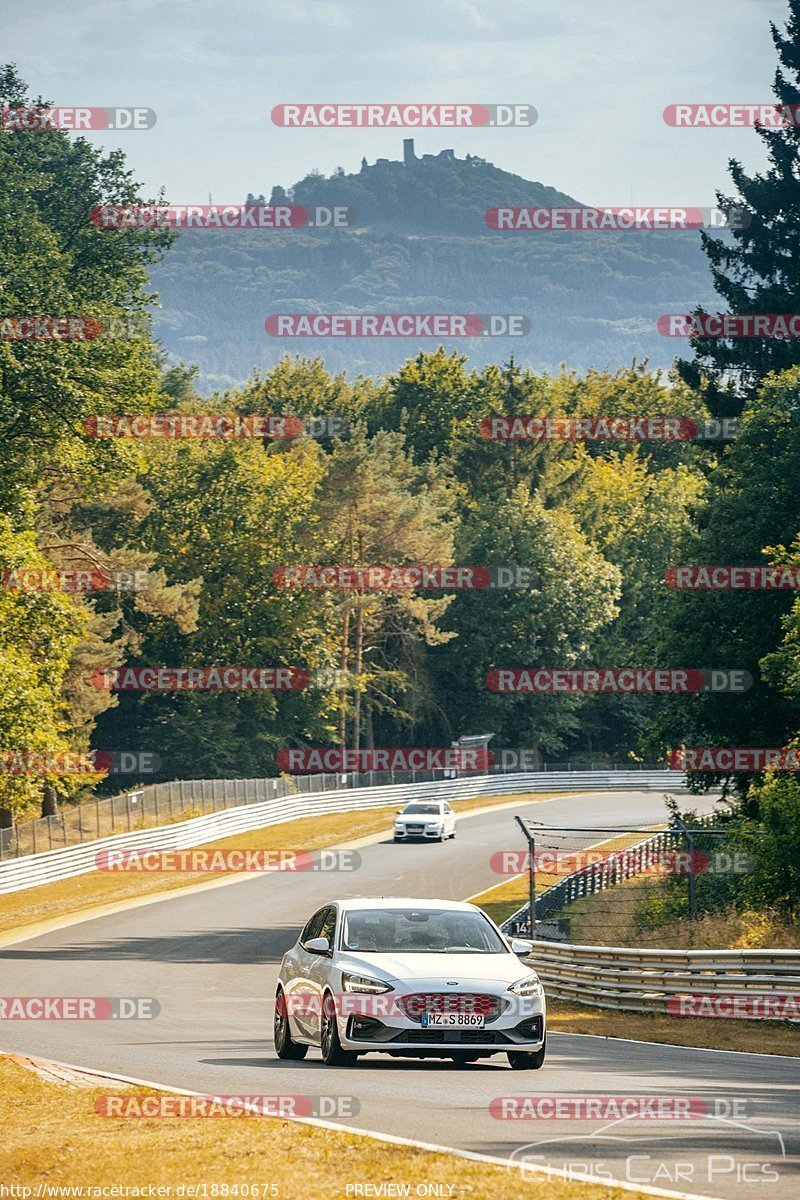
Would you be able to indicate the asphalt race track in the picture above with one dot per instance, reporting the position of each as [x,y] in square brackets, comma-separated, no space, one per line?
[210,958]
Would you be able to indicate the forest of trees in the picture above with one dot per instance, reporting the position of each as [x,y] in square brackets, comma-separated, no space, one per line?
[410,480]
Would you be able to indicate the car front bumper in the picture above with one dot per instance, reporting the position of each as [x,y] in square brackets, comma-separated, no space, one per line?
[523,1028]
[403,834]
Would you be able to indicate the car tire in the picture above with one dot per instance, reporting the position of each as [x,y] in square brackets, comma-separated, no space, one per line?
[332,1053]
[526,1060]
[285,1046]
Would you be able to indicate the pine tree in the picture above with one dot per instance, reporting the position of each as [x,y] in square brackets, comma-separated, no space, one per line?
[756,270]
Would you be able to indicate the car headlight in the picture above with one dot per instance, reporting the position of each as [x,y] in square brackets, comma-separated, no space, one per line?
[434,825]
[363,983]
[529,985]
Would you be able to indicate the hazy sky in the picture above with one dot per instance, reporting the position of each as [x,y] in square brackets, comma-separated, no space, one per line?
[599,74]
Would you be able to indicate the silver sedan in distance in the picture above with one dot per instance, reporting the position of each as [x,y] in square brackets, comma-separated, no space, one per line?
[411,978]
[430,820]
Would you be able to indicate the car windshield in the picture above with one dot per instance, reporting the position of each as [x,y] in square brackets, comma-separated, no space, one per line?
[419,810]
[420,931]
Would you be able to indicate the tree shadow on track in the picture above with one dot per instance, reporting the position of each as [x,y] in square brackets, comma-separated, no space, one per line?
[206,946]
[271,1060]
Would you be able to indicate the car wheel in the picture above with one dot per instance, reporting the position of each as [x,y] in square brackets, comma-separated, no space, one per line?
[332,1053]
[526,1060]
[285,1047]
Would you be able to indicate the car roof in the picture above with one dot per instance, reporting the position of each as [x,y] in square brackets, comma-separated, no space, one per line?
[414,902]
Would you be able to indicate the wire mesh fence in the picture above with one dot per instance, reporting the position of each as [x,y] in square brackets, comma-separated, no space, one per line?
[675,887]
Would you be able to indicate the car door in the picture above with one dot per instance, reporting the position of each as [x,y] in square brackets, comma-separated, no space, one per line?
[319,969]
[449,820]
[299,987]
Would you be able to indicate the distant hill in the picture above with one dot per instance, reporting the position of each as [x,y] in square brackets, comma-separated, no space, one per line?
[420,244]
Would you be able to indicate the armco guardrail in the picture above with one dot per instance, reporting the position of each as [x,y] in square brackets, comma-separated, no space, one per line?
[150,804]
[34,869]
[646,980]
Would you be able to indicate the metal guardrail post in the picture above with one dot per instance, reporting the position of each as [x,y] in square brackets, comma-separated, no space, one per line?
[689,840]
[529,837]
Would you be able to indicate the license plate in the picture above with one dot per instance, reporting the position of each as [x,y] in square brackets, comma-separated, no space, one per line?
[457,1020]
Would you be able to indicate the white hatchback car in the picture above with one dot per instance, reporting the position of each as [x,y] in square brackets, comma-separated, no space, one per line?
[431,820]
[419,978]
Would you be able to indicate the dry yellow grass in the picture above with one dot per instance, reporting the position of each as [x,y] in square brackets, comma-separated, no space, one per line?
[608,919]
[51,1135]
[98,888]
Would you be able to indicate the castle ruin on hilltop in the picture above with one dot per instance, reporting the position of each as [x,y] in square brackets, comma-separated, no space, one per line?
[410,158]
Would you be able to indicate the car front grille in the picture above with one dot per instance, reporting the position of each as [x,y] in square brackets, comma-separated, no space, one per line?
[419,1003]
[452,1037]
[415,829]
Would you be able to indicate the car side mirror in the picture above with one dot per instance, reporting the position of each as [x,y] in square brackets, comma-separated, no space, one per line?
[398,810]
[520,946]
[318,945]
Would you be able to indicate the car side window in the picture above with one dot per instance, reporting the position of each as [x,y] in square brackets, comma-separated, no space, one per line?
[313,927]
[328,928]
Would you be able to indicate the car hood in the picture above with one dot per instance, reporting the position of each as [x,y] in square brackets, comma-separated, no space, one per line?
[437,970]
